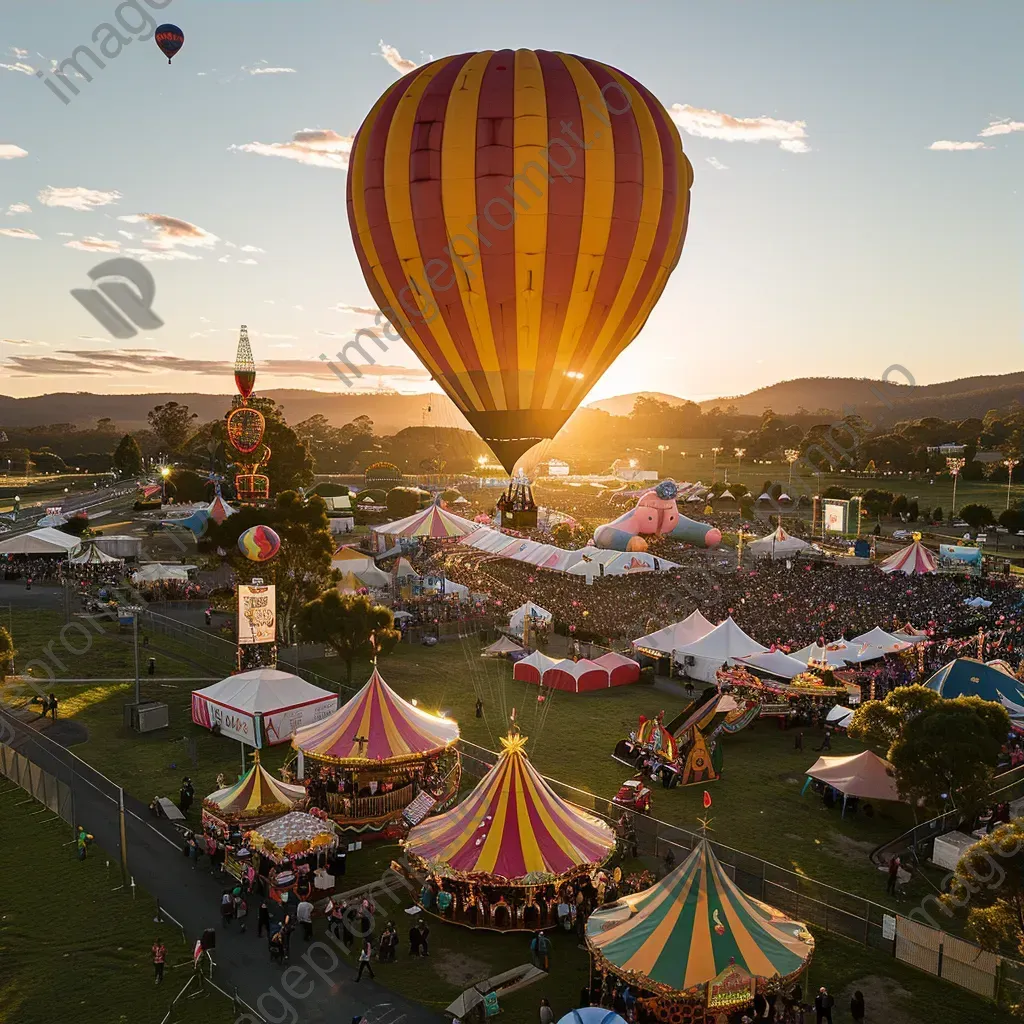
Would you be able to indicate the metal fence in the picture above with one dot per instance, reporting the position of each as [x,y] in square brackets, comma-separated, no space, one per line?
[805,899]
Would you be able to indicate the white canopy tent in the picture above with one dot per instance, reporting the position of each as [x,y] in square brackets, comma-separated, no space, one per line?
[777,545]
[46,541]
[502,646]
[517,619]
[880,640]
[443,585]
[679,634]
[372,577]
[774,663]
[156,572]
[837,654]
[262,707]
[723,645]
[90,554]
[839,717]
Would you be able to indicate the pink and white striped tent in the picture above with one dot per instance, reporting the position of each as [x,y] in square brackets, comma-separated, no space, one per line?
[913,560]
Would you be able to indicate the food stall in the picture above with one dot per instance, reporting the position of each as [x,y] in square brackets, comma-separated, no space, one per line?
[289,855]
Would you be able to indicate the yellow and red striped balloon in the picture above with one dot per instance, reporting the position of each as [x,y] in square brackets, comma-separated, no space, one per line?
[517,215]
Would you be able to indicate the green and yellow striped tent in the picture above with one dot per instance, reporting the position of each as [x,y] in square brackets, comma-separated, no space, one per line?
[693,927]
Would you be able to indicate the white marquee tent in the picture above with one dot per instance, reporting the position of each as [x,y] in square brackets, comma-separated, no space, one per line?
[46,541]
[777,545]
[679,634]
[723,645]
[262,707]
[774,663]
[518,617]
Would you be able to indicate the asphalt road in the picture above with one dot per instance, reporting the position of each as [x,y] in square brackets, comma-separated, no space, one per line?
[192,896]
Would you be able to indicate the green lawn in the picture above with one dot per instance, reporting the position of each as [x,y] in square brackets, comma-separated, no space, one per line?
[71,948]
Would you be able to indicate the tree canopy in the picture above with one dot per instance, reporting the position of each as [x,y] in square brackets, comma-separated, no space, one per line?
[172,424]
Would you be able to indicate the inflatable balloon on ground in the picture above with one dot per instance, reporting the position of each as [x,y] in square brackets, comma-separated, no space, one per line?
[655,512]
[170,39]
[592,1015]
[516,215]
[259,543]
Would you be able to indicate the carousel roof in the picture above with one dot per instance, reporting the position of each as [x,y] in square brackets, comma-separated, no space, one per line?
[390,728]
[257,793]
[691,926]
[512,827]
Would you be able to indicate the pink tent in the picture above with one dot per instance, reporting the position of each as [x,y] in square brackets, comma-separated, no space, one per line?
[913,560]
[622,670]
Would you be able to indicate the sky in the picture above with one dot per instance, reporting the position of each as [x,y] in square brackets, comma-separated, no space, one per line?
[856,199]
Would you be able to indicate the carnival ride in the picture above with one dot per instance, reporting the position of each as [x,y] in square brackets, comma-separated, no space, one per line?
[379,764]
[498,859]
[694,947]
[655,514]
[255,798]
[687,750]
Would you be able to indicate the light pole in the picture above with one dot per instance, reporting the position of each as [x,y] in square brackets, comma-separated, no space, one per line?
[134,609]
[954,465]
[791,455]
[714,462]
[739,453]
[165,472]
[1009,464]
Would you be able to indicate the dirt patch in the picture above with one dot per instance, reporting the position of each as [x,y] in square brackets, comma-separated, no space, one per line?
[847,847]
[67,732]
[791,777]
[461,971]
[884,1000]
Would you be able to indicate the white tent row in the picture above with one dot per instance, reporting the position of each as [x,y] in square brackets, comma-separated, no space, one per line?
[155,572]
[46,541]
[774,663]
[724,645]
[679,634]
[870,646]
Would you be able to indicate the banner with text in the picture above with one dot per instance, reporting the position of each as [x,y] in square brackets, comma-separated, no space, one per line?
[257,615]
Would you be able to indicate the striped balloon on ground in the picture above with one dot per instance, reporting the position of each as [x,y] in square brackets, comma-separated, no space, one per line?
[516,215]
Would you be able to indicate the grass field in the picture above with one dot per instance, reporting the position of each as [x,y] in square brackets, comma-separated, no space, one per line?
[72,949]
[757,803]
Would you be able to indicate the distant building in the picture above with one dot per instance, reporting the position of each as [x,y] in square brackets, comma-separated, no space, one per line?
[554,467]
[947,449]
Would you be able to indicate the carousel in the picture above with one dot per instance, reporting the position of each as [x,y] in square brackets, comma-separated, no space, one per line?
[289,858]
[255,798]
[694,947]
[379,763]
[498,860]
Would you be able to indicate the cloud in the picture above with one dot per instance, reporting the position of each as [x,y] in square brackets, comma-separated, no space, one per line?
[169,232]
[9,151]
[1003,127]
[717,164]
[152,255]
[252,248]
[18,208]
[224,259]
[401,64]
[25,69]
[77,198]
[247,262]
[271,71]
[710,124]
[316,147]
[18,233]
[957,147]
[91,244]
[341,307]
[107,362]
[19,341]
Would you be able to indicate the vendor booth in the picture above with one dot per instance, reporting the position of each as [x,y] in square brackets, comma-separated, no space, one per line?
[379,759]
[262,707]
[290,857]
[501,648]
[694,947]
[498,859]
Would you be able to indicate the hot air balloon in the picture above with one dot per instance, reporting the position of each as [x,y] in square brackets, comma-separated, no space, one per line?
[516,215]
[259,543]
[170,39]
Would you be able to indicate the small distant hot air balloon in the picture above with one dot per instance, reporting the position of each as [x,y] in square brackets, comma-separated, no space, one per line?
[259,543]
[516,215]
[170,39]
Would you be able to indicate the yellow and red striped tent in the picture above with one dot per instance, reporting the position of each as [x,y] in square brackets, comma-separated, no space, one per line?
[692,927]
[431,522]
[376,725]
[253,798]
[512,828]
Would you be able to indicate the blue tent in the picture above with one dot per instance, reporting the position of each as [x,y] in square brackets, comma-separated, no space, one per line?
[967,677]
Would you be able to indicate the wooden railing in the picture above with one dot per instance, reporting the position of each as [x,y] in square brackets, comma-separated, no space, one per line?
[370,806]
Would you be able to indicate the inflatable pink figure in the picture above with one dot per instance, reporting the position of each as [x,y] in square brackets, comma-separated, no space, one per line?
[655,512]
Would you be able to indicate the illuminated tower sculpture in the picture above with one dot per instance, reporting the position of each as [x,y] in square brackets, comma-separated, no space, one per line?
[245,428]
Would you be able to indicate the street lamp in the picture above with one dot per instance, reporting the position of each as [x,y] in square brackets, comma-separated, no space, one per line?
[954,465]
[791,455]
[1009,464]
[133,610]
[165,472]
[715,452]
[662,448]
[739,453]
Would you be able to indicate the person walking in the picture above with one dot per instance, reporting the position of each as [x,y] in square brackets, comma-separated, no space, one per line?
[857,1007]
[364,960]
[159,958]
[479,708]
[424,938]
[823,1004]
[547,1015]
[894,875]
[540,947]
[798,742]
[304,913]
[263,920]
[53,706]
[227,908]
[82,840]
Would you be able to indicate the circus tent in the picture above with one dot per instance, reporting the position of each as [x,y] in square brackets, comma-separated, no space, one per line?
[692,928]
[913,560]
[375,725]
[254,798]
[219,510]
[512,829]
[90,554]
[968,677]
[403,570]
[432,522]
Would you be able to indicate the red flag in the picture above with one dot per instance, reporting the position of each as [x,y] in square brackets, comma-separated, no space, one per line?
[707,799]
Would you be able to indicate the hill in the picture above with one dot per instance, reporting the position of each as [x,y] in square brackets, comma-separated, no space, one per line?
[622,405]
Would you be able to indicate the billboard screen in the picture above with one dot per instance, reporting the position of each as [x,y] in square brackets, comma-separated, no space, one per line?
[835,516]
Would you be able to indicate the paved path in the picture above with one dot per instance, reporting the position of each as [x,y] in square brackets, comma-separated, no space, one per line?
[193,896]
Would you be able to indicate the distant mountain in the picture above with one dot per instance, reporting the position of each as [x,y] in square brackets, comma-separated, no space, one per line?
[622,405]
[886,401]
[389,412]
